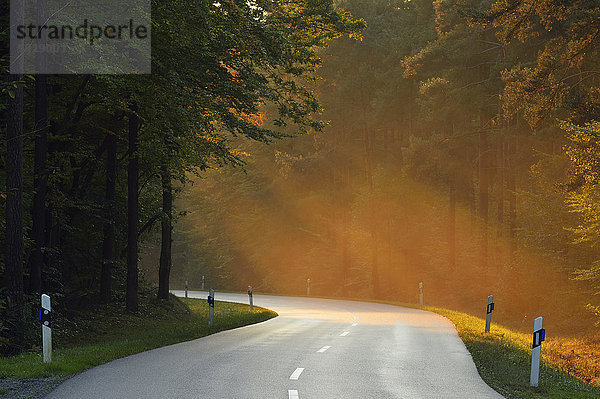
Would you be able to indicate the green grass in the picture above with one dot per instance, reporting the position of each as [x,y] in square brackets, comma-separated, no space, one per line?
[503,359]
[87,339]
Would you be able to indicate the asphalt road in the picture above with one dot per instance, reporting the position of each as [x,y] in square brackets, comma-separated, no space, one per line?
[316,348]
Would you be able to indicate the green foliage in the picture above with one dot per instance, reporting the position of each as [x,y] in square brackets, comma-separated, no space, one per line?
[220,69]
[584,152]
[556,73]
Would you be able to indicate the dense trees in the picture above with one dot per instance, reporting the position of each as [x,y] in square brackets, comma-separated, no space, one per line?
[461,151]
[444,162]
[13,260]
[559,81]
[105,155]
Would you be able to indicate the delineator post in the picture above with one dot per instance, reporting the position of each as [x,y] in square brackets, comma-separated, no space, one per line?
[539,335]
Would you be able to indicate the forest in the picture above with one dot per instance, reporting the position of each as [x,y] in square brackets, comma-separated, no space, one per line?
[460,151]
[92,163]
[366,145]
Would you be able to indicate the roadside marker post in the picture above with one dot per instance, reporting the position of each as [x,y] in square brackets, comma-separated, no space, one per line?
[307,287]
[421,293]
[211,307]
[488,316]
[186,288]
[202,282]
[539,335]
[45,316]
[250,297]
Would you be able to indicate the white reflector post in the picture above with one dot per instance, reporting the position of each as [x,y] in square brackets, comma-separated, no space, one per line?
[250,297]
[45,319]
[211,307]
[536,351]
[488,316]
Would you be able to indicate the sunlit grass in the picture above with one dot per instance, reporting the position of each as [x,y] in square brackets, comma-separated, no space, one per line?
[579,356]
[503,359]
[111,334]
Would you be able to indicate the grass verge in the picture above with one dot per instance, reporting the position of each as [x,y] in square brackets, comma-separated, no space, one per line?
[503,359]
[86,339]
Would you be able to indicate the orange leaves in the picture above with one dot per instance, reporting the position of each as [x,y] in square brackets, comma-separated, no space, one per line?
[578,356]
[256,119]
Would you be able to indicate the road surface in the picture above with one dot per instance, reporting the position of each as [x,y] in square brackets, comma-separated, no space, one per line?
[316,348]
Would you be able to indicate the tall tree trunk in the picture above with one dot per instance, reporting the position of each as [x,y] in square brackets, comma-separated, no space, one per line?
[346,180]
[451,225]
[369,144]
[512,200]
[167,234]
[52,225]
[375,263]
[391,270]
[13,273]
[400,140]
[500,154]
[38,212]
[470,196]
[108,240]
[131,297]
[483,199]
[345,260]
[500,194]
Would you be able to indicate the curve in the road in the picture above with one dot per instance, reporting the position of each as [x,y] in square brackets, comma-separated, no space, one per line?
[316,348]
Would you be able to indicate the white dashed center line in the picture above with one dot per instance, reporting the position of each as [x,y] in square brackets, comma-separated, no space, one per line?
[296,373]
[323,349]
[354,324]
[344,333]
[293,394]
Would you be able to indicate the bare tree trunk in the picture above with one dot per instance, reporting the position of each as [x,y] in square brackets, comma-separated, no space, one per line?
[167,235]
[369,143]
[451,225]
[500,194]
[500,154]
[38,212]
[389,241]
[512,200]
[345,260]
[399,139]
[472,203]
[13,274]
[108,240]
[483,199]
[131,297]
[375,263]
[345,228]
[13,261]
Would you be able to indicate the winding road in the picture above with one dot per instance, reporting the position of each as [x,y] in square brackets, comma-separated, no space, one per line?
[316,348]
